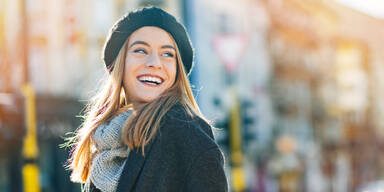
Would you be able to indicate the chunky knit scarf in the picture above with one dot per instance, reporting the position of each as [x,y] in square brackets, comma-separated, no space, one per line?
[109,159]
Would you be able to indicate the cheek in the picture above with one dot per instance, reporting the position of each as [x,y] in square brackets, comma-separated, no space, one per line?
[129,75]
[172,73]
[126,74]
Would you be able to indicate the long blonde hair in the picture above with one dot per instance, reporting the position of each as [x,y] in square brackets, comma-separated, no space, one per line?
[140,127]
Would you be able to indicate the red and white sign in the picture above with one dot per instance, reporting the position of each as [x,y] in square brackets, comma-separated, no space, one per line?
[230,48]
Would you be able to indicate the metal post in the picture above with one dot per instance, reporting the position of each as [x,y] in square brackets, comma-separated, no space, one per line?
[235,143]
[30,149]
[30,169]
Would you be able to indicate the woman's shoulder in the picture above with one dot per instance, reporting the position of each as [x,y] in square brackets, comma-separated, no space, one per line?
[179,116]
[181,126]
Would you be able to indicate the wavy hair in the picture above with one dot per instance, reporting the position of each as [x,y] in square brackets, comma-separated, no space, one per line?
[140,128]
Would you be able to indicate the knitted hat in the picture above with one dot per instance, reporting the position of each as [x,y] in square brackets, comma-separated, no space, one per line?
[149,16]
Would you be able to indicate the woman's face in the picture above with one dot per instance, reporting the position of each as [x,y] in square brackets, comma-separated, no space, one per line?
[150,64]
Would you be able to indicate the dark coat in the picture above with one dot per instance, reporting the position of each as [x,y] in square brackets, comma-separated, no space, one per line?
[182,157]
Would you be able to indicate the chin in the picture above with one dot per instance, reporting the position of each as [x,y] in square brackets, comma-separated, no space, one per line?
[149,98]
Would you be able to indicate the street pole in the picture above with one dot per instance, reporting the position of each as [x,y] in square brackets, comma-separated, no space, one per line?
[30,149]
[235,142]
[223,44]
[30,169]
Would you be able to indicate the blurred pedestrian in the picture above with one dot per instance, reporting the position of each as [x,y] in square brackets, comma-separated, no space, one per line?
[144,131]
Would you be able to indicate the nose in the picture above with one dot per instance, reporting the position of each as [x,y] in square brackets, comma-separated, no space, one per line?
[153,61]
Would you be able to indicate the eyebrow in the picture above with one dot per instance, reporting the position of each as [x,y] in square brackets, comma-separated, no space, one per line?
[139,42]
[145,43]
[168,46]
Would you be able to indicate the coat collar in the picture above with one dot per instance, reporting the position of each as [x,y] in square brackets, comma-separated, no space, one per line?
[133,167]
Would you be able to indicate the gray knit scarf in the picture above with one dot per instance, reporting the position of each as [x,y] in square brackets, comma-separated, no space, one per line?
[109,159]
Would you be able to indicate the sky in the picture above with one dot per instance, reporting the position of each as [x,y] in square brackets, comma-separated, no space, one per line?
[371,7]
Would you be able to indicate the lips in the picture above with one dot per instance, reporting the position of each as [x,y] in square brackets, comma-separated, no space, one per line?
[150,80]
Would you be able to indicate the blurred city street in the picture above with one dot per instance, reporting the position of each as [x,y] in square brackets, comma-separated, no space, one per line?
[295,88]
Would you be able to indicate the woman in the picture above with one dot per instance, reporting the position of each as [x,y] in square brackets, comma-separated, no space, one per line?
[144,130]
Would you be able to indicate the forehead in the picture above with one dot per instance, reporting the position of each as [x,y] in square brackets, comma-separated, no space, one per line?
[151,35]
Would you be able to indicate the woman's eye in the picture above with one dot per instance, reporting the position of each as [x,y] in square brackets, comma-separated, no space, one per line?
[168,54]
[142,51]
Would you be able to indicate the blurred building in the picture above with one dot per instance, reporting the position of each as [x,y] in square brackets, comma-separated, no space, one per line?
[311,71]
[323,87]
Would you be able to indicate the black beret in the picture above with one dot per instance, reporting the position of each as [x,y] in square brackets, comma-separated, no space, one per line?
[148,16]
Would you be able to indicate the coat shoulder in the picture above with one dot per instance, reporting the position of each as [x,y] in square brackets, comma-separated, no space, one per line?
[179,121]
[182,157]
[183,130]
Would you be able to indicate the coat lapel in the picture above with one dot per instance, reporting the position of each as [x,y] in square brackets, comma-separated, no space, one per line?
[132,168]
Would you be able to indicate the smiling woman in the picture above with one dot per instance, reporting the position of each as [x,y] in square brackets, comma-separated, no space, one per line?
[144,130]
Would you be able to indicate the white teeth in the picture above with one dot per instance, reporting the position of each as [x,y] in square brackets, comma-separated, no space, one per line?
[150,79]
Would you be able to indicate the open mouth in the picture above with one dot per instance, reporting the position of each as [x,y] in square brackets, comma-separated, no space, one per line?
[150,80]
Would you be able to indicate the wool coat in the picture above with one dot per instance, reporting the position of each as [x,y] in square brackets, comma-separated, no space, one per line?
[183,156]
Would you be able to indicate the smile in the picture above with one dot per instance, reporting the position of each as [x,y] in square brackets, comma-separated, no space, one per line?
[150,80]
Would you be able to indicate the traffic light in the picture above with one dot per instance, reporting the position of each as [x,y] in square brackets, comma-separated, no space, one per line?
[222,136]
[247,123]
[221,126]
